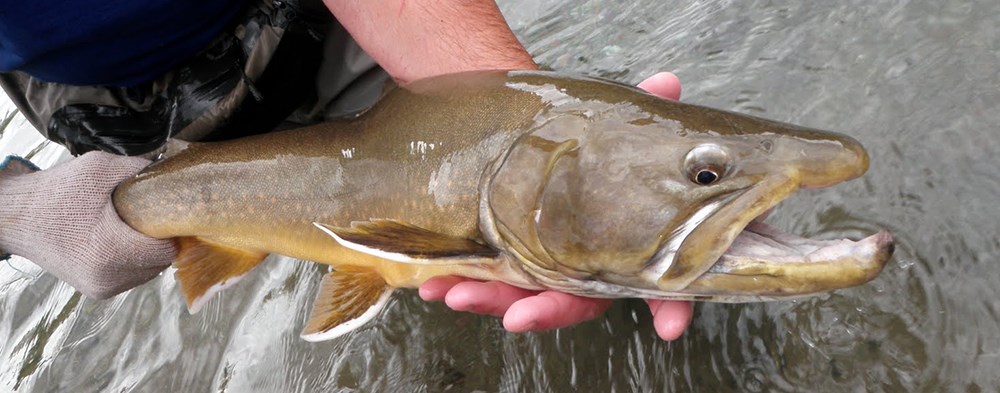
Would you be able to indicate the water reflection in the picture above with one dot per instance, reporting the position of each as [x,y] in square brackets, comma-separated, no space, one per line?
[915,81]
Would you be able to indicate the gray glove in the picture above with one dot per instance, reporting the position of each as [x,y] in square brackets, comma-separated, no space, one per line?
[62,219]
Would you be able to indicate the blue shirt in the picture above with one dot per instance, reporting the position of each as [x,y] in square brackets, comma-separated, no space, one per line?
[107,42]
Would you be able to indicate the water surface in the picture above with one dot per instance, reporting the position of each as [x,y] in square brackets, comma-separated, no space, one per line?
[915,81]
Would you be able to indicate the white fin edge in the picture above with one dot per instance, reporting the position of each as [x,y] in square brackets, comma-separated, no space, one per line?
[200,301]
[353,324]
[398,257]
[392,256]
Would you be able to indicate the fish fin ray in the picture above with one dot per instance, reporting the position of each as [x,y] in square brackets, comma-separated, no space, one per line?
[406,243]
[204,268]
[347,299]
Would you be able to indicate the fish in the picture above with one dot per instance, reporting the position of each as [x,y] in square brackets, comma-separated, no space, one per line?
[537,179]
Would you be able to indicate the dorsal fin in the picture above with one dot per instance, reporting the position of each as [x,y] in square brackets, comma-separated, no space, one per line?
[205,268]
[347,299]
[402,242]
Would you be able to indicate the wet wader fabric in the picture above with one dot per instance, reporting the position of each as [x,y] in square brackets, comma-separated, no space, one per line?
[281,57]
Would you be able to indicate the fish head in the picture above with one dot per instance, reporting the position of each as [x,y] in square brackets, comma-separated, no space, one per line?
[668,198]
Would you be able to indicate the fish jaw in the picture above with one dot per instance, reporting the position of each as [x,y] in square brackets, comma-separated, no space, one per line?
[764,263]
[733,256]
[694,248]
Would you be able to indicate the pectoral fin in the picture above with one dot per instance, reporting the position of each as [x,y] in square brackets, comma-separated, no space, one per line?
[348,298]
[204,268]
[405,243]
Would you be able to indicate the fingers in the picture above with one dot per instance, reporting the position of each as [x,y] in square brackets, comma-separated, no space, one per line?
[489,298]
[523,310]
[435,289]
[552,310]
[462,294]
[664,84]
[670,317]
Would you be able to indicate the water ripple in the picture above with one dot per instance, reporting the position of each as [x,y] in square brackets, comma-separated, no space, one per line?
[915,81]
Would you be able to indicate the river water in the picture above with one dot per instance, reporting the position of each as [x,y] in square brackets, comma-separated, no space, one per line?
[915,81]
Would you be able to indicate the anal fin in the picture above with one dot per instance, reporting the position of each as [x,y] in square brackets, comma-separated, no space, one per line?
[406,243]
[347,299]
[205,268]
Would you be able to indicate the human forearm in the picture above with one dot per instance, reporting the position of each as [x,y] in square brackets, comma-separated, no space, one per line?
[414,39]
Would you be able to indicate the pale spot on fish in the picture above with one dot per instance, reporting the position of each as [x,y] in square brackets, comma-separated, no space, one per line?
[421,148]
[548,92]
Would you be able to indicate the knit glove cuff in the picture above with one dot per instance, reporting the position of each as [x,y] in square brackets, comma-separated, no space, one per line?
[63,219]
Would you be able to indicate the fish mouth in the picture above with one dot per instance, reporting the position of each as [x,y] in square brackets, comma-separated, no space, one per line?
[731,255]
[764,263]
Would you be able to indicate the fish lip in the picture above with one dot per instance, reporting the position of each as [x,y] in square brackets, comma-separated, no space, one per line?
[792,266]
[736,263]
[677,266]
[798,249]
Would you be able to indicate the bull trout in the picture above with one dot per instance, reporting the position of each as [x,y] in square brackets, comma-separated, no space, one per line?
[539,180]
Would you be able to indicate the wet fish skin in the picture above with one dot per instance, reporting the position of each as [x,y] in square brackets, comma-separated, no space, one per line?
[576,184]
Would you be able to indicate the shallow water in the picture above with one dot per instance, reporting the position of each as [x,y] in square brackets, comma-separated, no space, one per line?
[915,81]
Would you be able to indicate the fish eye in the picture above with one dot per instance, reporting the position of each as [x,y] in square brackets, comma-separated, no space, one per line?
[706,177]
[706,163]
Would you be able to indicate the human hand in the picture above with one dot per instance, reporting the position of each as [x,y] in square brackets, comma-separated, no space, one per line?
[63,220]
[524,310]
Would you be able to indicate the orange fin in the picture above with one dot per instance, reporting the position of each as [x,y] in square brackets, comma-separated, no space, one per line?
[407,243]
[347,299]
[204,268]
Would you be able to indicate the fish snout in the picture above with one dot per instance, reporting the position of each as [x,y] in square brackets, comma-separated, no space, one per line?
[828,161]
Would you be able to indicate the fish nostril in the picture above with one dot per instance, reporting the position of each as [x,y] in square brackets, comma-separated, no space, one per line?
[766,146]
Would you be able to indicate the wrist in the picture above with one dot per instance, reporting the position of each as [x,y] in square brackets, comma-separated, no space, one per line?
[18,191]
[416,39]
[14,177]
